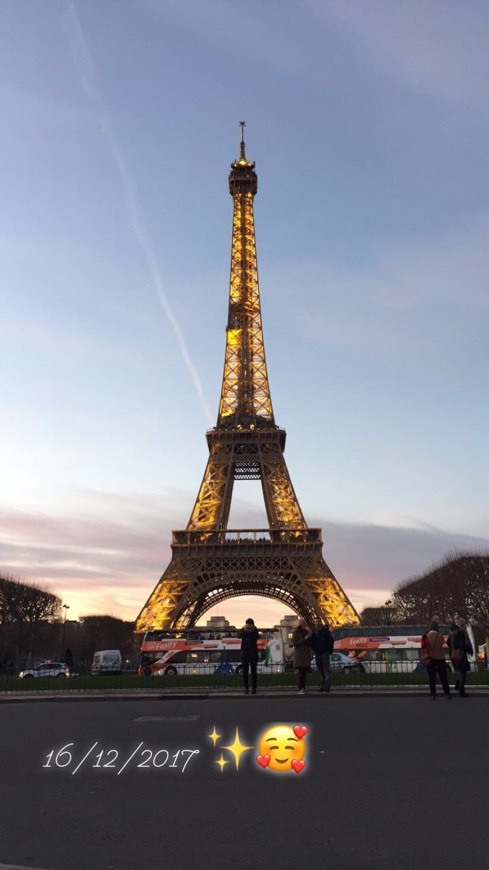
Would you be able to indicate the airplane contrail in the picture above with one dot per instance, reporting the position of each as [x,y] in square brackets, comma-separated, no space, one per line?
[86,71]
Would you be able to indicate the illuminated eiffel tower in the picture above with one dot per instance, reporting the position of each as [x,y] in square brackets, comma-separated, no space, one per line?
[209,561]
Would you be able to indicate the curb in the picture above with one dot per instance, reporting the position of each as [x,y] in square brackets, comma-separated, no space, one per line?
[87,696]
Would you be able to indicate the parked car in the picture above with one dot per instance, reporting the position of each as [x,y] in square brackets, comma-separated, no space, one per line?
[340,662]
[46,669]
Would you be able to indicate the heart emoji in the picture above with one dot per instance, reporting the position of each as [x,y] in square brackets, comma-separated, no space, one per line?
[263,760]
[298,765]
[299,731]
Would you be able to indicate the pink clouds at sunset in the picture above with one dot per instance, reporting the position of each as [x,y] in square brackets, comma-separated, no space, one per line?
[107,556]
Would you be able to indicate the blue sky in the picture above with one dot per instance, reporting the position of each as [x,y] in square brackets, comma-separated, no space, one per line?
[368,122]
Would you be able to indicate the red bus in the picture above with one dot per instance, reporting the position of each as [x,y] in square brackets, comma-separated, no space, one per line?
[187,653]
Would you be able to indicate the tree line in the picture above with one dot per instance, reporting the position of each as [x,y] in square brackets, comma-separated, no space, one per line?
[32,629]
[459,584]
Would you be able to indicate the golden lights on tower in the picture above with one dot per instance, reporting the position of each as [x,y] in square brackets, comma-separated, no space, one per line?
[208,562]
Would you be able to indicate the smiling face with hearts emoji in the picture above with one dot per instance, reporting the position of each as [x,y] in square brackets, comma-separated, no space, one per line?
[282,748]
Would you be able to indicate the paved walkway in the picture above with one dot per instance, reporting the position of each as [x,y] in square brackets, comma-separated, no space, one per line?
[103,785]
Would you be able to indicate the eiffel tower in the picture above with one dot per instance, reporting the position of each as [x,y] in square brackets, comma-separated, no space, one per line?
[210,562]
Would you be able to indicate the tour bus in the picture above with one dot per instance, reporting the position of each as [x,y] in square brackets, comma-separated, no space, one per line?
[393,648]
[192,652]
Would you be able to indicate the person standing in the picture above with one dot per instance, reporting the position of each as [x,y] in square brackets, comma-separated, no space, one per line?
[461,648]
[436,664]
[249,635]
[451,632]
[301,639]
[322,644]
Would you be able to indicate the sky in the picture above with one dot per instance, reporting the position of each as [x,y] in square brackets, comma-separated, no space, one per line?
[369,125]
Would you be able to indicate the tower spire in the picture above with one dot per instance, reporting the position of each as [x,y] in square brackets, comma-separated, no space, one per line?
[245,396]
[242,153]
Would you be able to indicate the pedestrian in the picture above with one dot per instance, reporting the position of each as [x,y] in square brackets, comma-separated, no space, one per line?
[461,648]
[249,635]
[301,639]
[69,660]
[451,631]
[436,664]
[322,644]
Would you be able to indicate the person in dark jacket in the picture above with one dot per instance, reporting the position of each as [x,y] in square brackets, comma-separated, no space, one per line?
[322,644]
[460,649]
[451,631]
[302,654]
[249,635]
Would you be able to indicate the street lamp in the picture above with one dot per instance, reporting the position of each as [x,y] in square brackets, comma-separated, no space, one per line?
[65,608]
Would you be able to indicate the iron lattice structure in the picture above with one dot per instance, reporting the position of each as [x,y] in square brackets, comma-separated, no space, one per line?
[209,561]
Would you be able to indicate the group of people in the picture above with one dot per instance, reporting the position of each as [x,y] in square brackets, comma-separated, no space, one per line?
[306,643]
[433,656]
[320,643]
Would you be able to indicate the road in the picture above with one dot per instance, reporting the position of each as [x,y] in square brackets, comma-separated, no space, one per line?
[388,784]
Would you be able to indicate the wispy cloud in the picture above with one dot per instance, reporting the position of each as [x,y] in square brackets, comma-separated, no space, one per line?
[401,305]
[98,564]
[23,107]
[438,49]
[376,556]
[44,335]
[265,37]
[86,69]
[95,562]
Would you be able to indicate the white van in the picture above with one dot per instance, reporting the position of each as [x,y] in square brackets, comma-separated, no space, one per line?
[107,662]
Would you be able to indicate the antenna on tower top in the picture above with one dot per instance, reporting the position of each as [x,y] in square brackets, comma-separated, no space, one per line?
[242,154]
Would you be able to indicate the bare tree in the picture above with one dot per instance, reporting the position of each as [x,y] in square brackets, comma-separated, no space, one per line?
[459,584]
[106,632]
[26,602]
[23,608]
[382,615]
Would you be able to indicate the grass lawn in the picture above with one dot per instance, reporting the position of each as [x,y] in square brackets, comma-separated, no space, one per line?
[232,681]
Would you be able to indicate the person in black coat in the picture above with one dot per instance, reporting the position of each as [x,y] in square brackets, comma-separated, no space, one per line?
[322,644]
[460,648]
[301,638]
[249,635]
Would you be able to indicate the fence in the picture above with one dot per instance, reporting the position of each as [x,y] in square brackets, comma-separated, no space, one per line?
[273,677]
